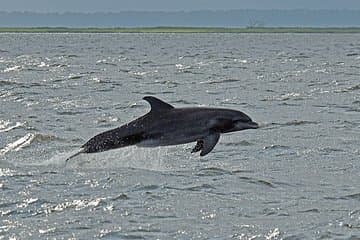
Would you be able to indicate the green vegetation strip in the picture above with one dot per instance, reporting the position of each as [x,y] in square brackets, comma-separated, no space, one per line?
[180,30]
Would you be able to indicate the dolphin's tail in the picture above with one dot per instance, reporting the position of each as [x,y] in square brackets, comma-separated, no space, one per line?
[82,150]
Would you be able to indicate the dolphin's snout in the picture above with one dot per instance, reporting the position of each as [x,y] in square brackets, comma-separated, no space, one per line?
[253,125]
[246,125]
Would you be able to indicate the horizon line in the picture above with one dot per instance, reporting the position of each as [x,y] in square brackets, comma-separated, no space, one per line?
[177,11]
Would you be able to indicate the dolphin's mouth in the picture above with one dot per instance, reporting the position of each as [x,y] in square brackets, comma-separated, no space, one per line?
[241,125]
[246,125]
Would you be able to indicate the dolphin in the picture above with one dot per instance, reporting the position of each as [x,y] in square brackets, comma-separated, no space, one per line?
[166,125]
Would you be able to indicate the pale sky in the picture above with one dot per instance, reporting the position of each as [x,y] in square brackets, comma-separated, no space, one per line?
[169,5]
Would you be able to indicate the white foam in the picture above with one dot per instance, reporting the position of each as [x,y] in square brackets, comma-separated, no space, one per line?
[18,144]
[138,73]
[43,64]
[241,60]
[5,125]
[10,69]
[182,67]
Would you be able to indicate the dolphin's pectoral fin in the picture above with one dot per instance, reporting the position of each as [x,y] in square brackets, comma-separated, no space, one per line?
[198,147]
[209,142]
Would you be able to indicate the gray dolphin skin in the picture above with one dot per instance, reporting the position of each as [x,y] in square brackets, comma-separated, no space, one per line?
[166,125]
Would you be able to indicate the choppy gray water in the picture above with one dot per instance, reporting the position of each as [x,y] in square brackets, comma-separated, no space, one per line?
[298,177]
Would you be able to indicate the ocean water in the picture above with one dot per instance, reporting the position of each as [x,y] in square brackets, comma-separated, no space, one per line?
[297,177]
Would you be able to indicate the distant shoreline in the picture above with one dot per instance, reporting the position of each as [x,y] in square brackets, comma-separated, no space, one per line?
[181,30]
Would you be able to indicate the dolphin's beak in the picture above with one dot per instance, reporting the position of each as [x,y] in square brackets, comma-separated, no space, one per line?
[252,125]
[246,125]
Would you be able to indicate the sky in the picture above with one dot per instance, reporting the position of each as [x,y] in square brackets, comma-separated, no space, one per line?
[169,5]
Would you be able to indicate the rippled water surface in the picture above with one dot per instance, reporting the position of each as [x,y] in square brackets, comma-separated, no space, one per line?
[297,177]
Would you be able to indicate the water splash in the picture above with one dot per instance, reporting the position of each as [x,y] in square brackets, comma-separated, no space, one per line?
[18,144]
[6,126]
[130,157]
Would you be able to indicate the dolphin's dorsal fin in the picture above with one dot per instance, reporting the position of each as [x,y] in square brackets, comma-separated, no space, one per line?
[157,105]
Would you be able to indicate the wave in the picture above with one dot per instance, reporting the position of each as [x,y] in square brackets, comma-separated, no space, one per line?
[26,141]
[8,82]
[267,126]
[213,171]
[6,126]
[77,204]
[73,76]
[106,62]
[285,97]
[180,66]
[18,144]
[257,181]
[352,54]
[276,146]
[348,89]
[298,122]
[226,80]
[11,69]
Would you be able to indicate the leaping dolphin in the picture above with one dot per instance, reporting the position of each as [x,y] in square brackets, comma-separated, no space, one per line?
[166,125]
